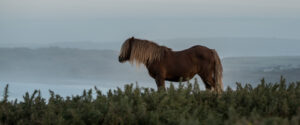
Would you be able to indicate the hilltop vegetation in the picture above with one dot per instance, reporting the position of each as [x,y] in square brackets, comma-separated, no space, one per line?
[267,103]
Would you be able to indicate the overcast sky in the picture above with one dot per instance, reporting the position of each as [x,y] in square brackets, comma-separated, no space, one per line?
[46,21]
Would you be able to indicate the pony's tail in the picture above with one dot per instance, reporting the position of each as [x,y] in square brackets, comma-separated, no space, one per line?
[218,70]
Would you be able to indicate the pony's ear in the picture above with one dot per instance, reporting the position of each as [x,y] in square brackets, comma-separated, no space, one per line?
[132,38]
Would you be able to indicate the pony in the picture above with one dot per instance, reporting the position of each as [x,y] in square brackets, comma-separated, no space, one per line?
[165,64]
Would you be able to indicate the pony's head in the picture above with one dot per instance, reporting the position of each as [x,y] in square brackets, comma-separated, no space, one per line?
[126,50]
[141,51]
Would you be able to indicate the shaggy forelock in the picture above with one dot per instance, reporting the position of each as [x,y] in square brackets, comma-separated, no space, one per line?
[142,51]
[124,49]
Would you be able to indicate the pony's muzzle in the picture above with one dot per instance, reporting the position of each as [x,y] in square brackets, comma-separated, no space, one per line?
[121,60]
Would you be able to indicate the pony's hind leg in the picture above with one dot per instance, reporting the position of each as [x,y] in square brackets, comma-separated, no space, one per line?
[207,85]
[208,81]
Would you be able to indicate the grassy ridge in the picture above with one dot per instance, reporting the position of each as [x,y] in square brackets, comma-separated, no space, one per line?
[277,103]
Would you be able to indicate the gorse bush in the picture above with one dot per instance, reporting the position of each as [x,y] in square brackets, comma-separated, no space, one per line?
[267,103]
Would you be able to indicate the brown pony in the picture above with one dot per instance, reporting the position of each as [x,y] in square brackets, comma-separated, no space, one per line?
[164,64]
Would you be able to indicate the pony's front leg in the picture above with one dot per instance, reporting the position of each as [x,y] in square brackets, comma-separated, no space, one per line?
[160,82]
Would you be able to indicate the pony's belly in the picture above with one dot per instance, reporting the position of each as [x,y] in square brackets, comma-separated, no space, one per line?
[178,79]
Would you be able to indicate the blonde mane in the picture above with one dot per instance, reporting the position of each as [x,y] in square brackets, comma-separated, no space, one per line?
[142,51]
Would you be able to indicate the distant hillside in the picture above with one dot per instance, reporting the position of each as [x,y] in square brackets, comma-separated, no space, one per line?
[226,46]
[76,66]
[240,47]
[251,69]
[55,64]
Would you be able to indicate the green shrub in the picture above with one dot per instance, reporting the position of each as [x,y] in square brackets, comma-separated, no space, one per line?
[267,103]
